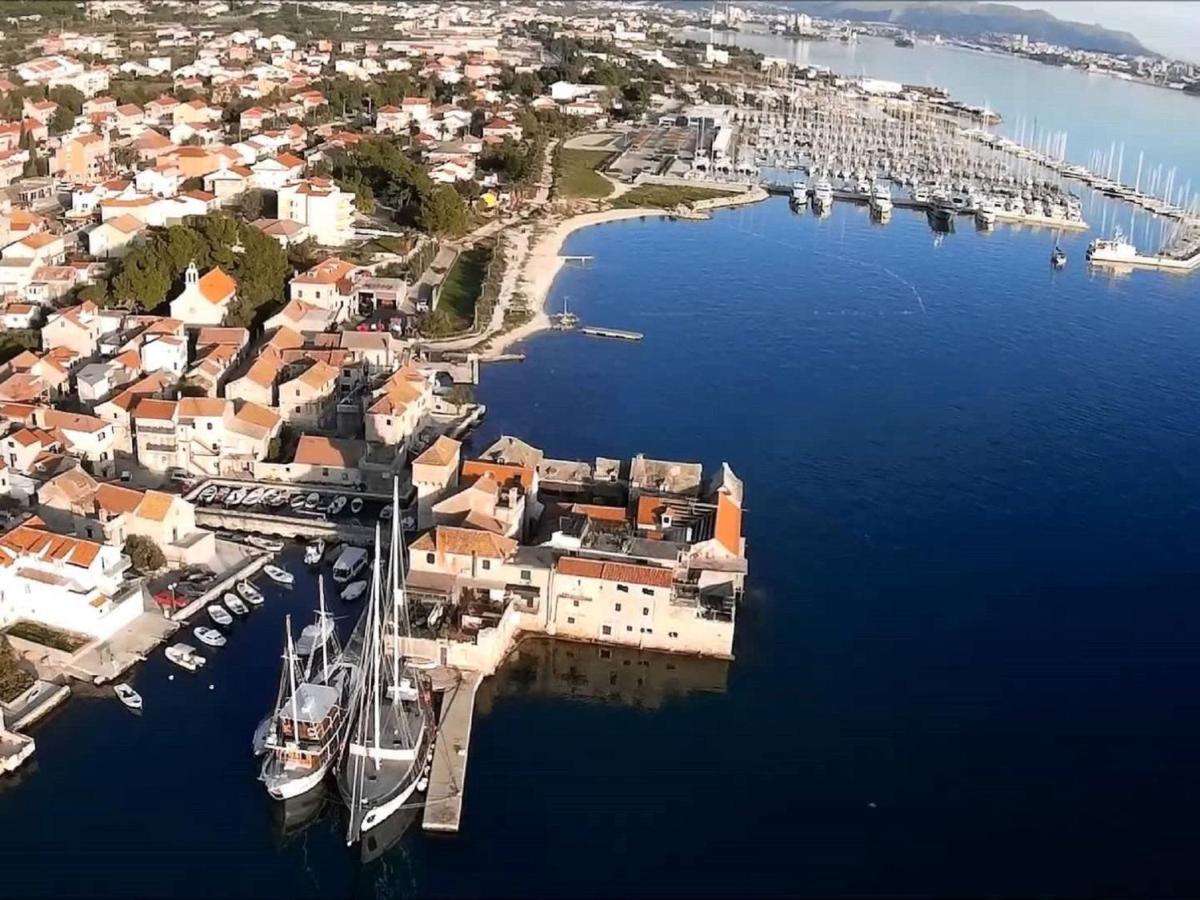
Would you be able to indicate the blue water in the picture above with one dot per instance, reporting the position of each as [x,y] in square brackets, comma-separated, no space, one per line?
[968,658]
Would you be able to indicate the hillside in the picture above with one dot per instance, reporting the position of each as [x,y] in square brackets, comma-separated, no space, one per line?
[972,20]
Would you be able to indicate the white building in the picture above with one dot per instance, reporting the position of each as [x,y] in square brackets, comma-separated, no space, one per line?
[321,206]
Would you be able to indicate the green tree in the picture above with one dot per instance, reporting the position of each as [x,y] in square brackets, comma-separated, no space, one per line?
[144,279]
[144,554]
[252,205]
[62,121]
[67,96]
[443,212]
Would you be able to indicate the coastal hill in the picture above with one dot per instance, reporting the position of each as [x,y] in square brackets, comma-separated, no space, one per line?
[973,20]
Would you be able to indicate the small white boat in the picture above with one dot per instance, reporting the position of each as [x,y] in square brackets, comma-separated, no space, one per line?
[185,656]
[337,504]
[264,543]
[235,497]
[208,494]
[313,552]
[435,615]
[254,497]
[385,513]
[356,505]
[219,614]
[235,604]
[350,562]
[250,593]
[354,590]
[276,574]
[259,742]
[128,696]
[209,636]
[312,500]
[296,501]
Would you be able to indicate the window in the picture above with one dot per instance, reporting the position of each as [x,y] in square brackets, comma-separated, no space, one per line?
[672,634]
[487,563]
[325,472]
[649,592]
[617,607]
[629,628]
[574,602]
[570,620]
[649,631]
[345,476]
[623,588]
[645,610]
[604,653]
[430,558]
[210,426]
[526,575]
[605,629]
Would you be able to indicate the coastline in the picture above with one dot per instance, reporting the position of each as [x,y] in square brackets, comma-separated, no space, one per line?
[543,261]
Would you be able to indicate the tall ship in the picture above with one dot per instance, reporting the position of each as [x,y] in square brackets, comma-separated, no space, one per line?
[306,730]
[390,742]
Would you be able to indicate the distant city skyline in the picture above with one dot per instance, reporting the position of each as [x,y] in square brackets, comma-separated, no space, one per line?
[1170,28]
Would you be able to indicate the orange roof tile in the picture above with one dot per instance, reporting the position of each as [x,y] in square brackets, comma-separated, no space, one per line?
[503,472]
[471,542]
[441,452]
[216,286]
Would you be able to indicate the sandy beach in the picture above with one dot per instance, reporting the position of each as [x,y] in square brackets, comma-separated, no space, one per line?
[544,262]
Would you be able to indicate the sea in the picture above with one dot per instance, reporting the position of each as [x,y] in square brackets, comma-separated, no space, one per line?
[968,659]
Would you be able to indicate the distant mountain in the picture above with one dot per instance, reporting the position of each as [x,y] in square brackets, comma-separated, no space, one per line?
[972,20]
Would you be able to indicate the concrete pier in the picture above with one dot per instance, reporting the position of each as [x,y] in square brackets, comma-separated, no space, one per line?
[447,780]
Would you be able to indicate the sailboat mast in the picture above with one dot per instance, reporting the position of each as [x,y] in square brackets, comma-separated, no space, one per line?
[291,667]
[394,580]
[377,649]
[321,630]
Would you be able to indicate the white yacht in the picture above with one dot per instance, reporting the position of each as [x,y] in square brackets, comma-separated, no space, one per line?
[1111,250]
[799,195]
[185,656]
[881,198]
[351,562]
[822,194]
[128,696]
[985,215]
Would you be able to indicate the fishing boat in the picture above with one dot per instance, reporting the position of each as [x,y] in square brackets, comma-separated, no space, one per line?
[219,614]
[185,656]
[209,636]
[271,545]
[278,575]
[306,730]
[337,504]
[313,552]
[128,696]
[235,605]
[354,590]
[250,593]
[392,726]
[1111,250]
[1058,258]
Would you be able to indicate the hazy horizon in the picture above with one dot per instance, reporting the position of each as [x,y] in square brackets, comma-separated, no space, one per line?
[1169,28]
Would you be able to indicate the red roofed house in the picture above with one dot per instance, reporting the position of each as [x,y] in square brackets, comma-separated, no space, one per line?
[204,300]
[81,159]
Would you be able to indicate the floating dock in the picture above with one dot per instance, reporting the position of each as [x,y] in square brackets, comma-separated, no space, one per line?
[447,780]
[612,333]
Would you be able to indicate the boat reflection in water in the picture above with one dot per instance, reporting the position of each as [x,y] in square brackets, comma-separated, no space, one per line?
[291,818]
[626,676]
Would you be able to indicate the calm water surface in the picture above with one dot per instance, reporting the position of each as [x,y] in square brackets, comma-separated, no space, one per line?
[968,660]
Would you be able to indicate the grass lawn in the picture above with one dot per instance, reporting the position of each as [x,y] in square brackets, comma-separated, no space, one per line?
[460,291]
[664,196]
[575,173]
[47,637]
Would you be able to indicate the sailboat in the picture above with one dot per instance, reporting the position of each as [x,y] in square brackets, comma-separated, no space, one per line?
[565,321]
[391,737]
[310,714]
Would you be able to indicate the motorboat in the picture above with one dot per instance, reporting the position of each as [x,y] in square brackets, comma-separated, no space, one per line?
[1111,250]
[799,195]
[271,545]
[209,636]
[235,497]
[208,494]
[881,199]
[185,656]
[312,501]
[356,506]
[313,552]
[277,498]
[351,562]
[1058,258]
[385,513]
[250,593]
[219,614]
[254,497]
[985,216]
[278,575]
[235,605]
[435,615]
[128,696]
[354,590]
[337,504]
[919,194]
[822,194]
[221,494]
[297,501]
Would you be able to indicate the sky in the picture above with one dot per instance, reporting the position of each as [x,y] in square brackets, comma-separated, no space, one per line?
[1171,28]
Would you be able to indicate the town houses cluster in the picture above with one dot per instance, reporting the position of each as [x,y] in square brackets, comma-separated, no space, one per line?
[113,407]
